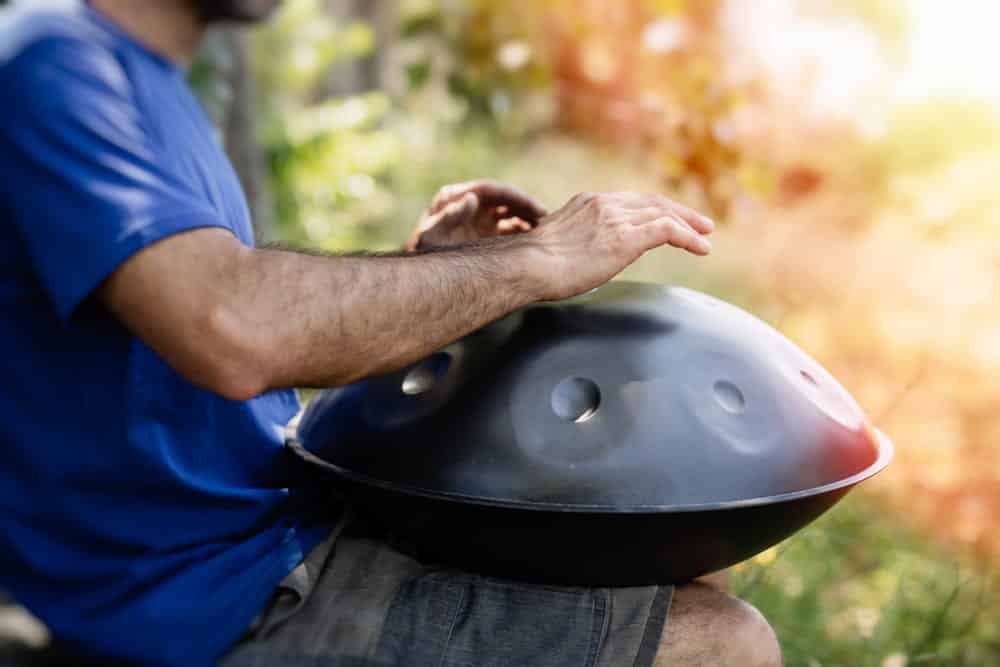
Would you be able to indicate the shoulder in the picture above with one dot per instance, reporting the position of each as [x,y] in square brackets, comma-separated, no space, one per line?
[51,43]
[27,24]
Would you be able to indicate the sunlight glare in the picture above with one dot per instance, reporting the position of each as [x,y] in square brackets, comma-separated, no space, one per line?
[953,51]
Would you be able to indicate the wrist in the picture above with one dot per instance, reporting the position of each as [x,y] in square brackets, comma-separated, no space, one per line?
[528,262]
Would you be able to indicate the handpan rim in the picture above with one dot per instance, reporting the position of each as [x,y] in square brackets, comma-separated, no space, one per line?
[886,451]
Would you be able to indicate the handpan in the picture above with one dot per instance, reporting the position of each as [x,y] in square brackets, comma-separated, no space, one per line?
[637,434]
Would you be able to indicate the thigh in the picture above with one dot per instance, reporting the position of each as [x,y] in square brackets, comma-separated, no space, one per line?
[371,605]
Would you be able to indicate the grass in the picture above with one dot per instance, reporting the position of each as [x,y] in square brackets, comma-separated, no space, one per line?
[859,588]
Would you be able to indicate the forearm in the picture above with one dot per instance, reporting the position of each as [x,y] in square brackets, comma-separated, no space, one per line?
[330,320]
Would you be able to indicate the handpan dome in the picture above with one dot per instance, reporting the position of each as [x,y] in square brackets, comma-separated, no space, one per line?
[684,430]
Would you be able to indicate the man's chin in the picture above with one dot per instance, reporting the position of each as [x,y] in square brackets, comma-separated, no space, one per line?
[238,11]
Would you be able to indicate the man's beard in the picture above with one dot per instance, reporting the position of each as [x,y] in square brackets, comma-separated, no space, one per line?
[242,11]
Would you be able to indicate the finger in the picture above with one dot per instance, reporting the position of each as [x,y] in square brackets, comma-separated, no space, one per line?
[641,200]
[513,226]
[700,223]
[492,194]
[517,202]
[649,215]
[448,194]
[684,223]
[434,229]
[458,212]
[670,231]
[639,216]
[444,217]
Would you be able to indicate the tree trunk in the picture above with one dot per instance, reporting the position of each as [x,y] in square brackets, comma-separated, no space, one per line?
[371,72]
[227,52]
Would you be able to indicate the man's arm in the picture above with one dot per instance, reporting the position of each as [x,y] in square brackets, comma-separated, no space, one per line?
[240,321]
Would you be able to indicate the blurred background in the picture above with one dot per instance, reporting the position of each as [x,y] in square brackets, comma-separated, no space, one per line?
[850,150]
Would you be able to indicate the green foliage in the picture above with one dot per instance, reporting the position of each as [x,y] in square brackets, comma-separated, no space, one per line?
[933,134]
[857,588]
[930,165]
[327,155]
[329,166]
[299,48]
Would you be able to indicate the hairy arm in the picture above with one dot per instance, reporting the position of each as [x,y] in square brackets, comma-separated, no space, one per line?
[241,321]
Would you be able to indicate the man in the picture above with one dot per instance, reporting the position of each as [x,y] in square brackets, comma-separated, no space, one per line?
[149,350]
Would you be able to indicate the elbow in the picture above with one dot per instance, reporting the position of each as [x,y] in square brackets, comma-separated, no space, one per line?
[231,357]
[237,384]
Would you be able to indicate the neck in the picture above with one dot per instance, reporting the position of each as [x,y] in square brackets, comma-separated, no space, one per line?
[171,28]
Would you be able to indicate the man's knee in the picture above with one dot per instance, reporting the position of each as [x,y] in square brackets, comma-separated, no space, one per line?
[709,627]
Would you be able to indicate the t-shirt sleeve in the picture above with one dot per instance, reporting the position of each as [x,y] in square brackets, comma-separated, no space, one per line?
[79,171]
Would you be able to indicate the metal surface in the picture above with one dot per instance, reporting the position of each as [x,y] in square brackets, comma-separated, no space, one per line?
[636,434]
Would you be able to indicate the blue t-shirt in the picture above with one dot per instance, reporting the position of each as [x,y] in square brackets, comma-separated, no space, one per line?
[141,517]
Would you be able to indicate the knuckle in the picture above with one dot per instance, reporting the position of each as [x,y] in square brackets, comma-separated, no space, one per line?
[487,187]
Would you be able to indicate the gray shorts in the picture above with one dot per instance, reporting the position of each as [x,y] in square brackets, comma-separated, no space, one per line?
[356,601]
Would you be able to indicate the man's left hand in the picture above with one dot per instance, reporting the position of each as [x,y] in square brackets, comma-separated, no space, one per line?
[475,210]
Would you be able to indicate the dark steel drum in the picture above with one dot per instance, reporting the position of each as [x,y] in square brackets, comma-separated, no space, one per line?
[637,434]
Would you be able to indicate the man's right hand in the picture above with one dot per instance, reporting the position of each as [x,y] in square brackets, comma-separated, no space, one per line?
[595,236]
